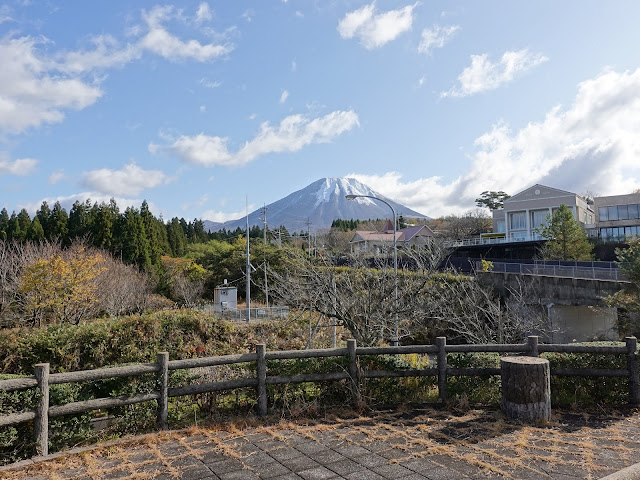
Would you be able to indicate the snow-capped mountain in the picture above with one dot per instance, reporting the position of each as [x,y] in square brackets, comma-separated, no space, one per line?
[320,203]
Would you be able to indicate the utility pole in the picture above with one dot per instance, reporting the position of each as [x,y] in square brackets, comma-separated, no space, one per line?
[309,234]
[248,267]
[266,287]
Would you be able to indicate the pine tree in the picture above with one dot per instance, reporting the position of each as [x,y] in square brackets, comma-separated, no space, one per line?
[80,219]
[4,224]
[567,240]
[35,232]
[44,214]
[59,224]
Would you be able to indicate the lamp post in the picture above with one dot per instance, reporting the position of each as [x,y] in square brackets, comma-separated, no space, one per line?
[394,338]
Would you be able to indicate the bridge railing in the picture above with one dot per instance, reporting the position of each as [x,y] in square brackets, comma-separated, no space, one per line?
[42,379]
[593,272]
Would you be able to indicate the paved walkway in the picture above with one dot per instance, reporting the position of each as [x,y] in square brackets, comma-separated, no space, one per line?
[430,444]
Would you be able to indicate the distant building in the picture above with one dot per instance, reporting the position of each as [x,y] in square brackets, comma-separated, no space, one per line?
[526,211]
[376,242]
[617,217]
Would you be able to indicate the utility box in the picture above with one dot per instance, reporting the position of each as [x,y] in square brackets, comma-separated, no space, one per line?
[225,298]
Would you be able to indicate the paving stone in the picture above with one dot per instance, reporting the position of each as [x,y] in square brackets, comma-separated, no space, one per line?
[318,473]
[370,460]
[311,447]
[352,450]
[288,476]
[416,476]
[225,466]
[364,475]
[298,464]
[198,472]
[212,457]
[239,475]
[345,467]
[326,457]
[257,459]
[285,453]
[271,470]
[392,471]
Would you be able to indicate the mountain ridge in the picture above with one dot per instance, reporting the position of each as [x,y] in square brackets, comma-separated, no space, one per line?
[320,203]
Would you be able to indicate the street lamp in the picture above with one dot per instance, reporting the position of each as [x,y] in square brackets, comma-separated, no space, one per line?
[394,338]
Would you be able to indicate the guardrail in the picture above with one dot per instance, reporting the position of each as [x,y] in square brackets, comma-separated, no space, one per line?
[42,378]
[596,273]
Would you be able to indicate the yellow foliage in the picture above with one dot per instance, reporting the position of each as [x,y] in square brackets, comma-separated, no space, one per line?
[61,288]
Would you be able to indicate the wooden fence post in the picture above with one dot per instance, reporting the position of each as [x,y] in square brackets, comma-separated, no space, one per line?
[532,346]
[163,401]
[353,368]
[41,422]
[441,342]
[261,374]
[632,366]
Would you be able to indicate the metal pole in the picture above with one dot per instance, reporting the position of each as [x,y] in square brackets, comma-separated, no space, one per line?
[266,286]
[394,338]
[248,268]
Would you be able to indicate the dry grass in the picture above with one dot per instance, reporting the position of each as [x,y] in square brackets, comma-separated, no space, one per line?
[482,440]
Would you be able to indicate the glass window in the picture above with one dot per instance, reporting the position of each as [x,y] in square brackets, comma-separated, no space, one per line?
[517,221]
[613,212]
[633,211]
[538,218]
[500,226]
[623,212]
[603,214]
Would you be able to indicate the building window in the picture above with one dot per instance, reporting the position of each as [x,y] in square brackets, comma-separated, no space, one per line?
[539,218]
[623,212]
[500,226]
[517,221]
[613,212]
[633,211]
[603,214]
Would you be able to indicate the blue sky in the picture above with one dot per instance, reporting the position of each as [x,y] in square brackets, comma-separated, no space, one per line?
[194,106]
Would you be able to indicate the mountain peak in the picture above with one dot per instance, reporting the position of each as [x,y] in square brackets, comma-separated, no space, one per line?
[321,203]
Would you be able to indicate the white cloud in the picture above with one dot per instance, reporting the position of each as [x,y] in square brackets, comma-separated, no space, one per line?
[218,216]
[204,13]
[203,108]
[21,167]
[34,90]
[421,80]
[299,14]
[68,201]
[38,88]
[160,41]
[209,84]
[293,133]
[130,180]
[248,15]
[483,75]
[55,177]
[376,29]
[294,66]
[592,145]
[198,203]
[284,96]
[436,37]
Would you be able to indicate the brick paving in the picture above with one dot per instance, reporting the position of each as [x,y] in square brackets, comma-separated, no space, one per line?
[411,444]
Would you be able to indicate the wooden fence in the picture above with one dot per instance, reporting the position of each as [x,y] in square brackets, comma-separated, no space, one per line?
[42,379]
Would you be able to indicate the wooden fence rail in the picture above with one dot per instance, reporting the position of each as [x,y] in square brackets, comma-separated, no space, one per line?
[42,379]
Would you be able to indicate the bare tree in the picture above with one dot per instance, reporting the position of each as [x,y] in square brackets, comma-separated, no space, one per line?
[362,297]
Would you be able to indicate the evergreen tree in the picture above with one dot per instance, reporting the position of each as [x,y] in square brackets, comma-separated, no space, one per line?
[35,232]
[80,219]
[176,237]
[4,224]
[103,226]
[134,245]
[13,231]
[25,221]
[567,240]
[156,234]
[59,224]
[44,214]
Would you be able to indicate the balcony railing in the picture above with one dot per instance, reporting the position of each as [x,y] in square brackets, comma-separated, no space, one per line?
[542,268]
[480,240]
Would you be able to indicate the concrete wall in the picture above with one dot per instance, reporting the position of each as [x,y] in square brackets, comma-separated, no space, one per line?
[570,323]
